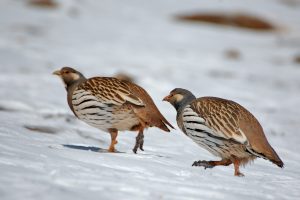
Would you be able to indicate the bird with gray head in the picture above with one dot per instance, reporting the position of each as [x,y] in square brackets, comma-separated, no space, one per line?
[111,105]
[222,127]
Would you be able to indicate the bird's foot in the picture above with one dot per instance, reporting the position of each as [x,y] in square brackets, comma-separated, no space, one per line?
[203,163]
[139,143]
[239,174]
[135,149]
[112,148]
[142,145]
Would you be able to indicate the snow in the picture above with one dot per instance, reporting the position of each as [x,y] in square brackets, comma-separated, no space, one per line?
[45,153]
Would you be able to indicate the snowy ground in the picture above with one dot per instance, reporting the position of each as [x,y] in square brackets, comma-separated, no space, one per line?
[141,37]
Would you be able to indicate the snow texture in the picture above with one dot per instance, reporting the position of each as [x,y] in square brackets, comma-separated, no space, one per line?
[46,153]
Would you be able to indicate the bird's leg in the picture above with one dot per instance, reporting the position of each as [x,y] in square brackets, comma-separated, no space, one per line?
[139,142]
[113,134]
[237,172]
[142,142]
[211,164]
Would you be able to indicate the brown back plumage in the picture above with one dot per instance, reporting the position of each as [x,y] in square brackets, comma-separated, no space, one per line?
[232,121]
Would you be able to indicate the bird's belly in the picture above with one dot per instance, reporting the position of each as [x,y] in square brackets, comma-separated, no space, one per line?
[124,121]
[105,116]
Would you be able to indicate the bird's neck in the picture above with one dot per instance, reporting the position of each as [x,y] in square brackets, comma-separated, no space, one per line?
[180,105]
[70,87]
[70,84]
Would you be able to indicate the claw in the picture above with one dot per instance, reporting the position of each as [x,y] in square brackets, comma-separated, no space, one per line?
[239,174]
[202,163]
[134,150]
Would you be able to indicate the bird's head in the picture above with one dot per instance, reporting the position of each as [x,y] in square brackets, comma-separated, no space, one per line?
[69,75]
[179,97]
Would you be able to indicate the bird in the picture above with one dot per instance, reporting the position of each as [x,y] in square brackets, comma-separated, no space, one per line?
[111,105]
[222,127]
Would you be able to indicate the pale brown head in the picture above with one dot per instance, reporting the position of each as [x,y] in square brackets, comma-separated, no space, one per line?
[179,98]
[69,75]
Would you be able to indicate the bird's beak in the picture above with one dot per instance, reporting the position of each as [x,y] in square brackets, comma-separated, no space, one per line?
[167,98]
[57,72]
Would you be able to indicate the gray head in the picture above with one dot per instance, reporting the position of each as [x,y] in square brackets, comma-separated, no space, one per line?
[69,76]
[179,98]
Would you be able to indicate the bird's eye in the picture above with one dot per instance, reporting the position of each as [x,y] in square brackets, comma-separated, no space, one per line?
[67,72]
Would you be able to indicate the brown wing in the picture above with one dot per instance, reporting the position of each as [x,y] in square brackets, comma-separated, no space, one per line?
[110,91]
[232,121]
[222,116]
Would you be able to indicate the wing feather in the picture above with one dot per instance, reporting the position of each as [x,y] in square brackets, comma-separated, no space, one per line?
[221,117]
[110,90]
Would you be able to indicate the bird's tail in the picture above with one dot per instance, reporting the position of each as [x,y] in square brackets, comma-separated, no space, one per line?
[274,158]
[269,154]
[163,124]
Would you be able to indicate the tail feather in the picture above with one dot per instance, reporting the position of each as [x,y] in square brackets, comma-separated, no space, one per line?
[279,163]
[162,124]
[164,127]
[270,155]
[274,158]
[166,122]
[150,113]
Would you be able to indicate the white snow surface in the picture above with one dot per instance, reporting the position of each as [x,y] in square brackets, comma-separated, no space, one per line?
[46,153]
